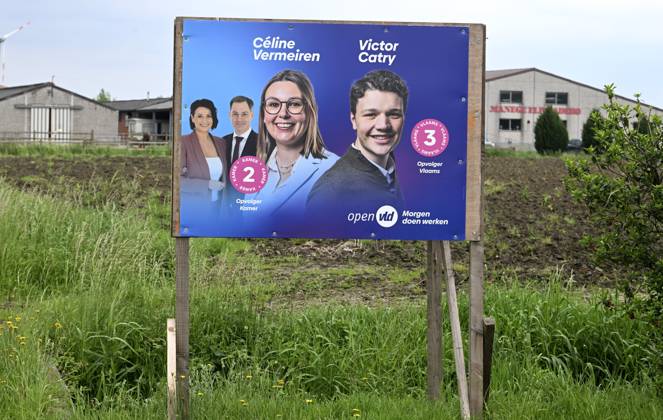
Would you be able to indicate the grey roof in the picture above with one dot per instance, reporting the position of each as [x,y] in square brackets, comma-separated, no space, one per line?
[498,74]
[7,92]
[159,106]
[142,104]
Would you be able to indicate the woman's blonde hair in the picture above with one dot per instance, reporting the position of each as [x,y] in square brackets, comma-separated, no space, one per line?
[313,143]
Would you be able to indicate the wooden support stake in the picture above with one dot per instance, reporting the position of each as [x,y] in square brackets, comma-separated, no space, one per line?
[476,329]
[434,333]
[454,319]
[171,369]
[488,337]
[475,205]
[182,324]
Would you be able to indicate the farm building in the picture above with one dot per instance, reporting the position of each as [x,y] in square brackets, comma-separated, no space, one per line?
[515,98]
[47,112]
[144,118]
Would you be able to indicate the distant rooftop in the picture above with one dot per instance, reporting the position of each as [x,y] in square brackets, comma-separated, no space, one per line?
[155,104]
[6,92]
[498,74]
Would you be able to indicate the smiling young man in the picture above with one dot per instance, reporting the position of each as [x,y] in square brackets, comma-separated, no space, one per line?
[365,177]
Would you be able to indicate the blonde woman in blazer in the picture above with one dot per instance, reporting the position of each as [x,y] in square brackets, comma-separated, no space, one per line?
[290,143]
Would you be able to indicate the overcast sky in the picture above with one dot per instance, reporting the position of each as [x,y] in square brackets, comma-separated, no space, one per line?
[126,47]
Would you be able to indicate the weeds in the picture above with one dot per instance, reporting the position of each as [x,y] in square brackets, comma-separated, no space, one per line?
[78,150]
[95,285]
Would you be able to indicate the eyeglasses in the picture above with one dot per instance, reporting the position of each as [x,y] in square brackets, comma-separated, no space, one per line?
[294,106]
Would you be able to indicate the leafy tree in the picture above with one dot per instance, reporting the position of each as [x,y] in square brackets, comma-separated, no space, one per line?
[588,134]
[550,135]
[103,96]
[642,125]
[623,189]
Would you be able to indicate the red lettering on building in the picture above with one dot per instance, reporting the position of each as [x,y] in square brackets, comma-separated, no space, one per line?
[533,109]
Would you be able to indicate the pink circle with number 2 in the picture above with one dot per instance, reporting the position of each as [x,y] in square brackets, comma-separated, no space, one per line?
[248,174]
[430,137]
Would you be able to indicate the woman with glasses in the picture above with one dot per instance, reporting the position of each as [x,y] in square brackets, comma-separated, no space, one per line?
[290,143]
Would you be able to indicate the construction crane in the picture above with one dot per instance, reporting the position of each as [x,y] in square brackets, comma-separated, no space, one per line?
[2,49]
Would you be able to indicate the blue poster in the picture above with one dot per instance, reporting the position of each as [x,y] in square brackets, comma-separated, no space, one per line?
[323,130]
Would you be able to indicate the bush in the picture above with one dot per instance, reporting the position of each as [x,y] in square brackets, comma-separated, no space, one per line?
[550,135]
[623,188]
[588,129]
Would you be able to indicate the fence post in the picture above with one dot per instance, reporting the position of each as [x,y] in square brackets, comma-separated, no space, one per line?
[182,323]
[434,309]
[171,369]
[488,337]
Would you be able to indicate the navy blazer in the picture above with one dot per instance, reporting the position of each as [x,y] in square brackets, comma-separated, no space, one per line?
[250,148]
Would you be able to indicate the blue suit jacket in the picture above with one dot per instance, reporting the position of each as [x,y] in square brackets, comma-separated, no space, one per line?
[289,198]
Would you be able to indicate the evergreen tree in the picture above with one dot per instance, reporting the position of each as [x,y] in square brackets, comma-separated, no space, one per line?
[643,126]
[550,135]
[588,129]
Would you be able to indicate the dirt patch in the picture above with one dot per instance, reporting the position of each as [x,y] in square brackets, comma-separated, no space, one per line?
[533,228]
[150,172]
[124,181]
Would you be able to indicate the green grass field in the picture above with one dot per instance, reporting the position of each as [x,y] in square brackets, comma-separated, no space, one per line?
[85,292]
[79,150]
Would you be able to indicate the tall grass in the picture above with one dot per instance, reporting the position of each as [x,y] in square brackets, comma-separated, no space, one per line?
[104,275]
[587,340]
[77,150]
[528,154]
[49,245]
[97,286]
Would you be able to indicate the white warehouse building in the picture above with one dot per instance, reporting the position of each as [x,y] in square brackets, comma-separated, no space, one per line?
[515,99]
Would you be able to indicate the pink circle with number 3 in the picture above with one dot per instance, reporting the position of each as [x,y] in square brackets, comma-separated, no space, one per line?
[248,174]
[430,137]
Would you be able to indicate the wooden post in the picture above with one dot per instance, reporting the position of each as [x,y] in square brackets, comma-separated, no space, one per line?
[488,337]
[454,319]
[182,324]
[476,329]
[434,332]
[475,206]
[171,369]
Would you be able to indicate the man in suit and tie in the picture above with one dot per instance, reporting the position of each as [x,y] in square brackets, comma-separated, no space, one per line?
[242,141]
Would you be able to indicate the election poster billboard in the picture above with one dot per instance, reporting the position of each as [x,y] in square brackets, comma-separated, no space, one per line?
[302,129]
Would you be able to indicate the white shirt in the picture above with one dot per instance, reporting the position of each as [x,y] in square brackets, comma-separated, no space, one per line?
[245,137]
[215,167]
[388,173]
[215,170]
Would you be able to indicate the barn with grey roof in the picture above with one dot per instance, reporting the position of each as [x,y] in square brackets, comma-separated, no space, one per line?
[47,112]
